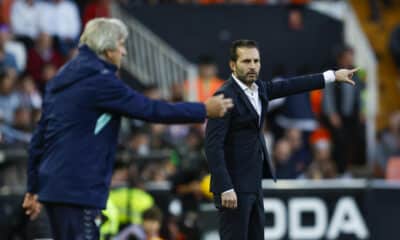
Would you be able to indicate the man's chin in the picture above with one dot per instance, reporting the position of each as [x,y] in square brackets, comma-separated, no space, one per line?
[251,80]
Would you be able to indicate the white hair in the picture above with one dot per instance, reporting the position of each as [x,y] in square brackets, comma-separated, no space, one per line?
[103,34]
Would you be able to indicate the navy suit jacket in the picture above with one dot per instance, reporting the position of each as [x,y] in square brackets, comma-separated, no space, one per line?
[235,146]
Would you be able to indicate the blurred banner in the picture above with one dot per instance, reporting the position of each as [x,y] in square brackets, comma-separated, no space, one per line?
[329,209]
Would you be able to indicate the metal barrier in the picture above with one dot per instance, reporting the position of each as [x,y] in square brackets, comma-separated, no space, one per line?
[151,60]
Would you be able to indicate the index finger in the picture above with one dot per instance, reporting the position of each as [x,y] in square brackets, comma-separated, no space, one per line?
[354,70]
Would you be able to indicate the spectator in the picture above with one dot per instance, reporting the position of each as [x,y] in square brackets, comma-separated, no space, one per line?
[7,60]
[60,19]
[177,93]
[157,137]
[28,94]
[152,220]
[20,132]
[187,186]
[23,120]
[282,158]
[25,21]
[344,118]
[389,142]
[190,151]
[300,156]
[9,100]
[16,49]
[149,230]
[322,166]
[295,18]
[40,55]
[139,143]
[49,70]
[207,82]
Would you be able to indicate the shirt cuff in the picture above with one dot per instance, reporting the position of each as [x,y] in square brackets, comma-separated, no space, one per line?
[329,76]
[230,190]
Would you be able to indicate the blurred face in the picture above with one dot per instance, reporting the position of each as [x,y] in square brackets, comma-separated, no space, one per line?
[295,20]
[347,59]
[207,71]
[115,56]
[7,84]
[28,86]
[247,66]
[282,151]
[322,152]
[294,138]
[151,227]
[22,118]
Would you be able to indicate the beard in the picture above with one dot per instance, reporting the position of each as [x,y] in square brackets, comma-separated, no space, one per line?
[247,78]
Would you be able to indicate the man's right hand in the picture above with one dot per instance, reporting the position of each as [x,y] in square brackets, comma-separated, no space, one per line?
[229,199]
[32,205]
[217,106]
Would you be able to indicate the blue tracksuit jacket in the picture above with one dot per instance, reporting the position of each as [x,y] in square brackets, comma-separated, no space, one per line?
[71,154]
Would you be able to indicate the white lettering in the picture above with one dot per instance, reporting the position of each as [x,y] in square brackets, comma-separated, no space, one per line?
[314,205]
[347,219]
[277,208]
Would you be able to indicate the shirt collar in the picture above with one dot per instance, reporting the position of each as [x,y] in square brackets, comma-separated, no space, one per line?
[244,87]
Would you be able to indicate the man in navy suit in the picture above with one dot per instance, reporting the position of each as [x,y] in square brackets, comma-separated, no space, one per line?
[235,146]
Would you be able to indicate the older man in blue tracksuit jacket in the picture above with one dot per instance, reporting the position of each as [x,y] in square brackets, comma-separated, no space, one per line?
[72,151]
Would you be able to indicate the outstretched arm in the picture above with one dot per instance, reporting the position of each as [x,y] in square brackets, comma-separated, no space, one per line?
[112,95]
[289,86]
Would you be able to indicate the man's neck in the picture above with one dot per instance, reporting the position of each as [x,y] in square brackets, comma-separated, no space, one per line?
[247,84]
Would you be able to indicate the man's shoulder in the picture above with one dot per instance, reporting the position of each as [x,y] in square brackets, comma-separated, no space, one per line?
[226,88]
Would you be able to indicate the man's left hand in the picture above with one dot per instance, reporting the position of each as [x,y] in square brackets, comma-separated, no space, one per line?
[345,75]
[32,205]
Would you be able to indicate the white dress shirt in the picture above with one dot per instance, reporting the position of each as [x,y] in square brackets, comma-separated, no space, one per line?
[252,94]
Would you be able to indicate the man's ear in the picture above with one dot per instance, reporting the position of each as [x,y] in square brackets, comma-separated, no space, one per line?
[107,54]
[232,65]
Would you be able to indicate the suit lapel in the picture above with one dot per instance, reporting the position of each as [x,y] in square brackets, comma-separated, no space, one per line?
[245,99]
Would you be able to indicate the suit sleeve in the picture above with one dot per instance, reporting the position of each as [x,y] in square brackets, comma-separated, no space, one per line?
[112,95]
[216,132]
[36,148]
[285,87]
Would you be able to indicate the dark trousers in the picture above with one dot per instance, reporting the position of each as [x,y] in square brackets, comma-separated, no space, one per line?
[71,222]
[246,222]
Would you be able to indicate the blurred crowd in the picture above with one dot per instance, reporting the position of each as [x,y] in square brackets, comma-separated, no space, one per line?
[317,135]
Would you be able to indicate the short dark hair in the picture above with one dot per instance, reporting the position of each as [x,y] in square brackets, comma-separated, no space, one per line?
[240,44]
[205,60]
[153,213]
[340,50]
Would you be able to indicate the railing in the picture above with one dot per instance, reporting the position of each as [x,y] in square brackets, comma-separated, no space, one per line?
[151,60]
